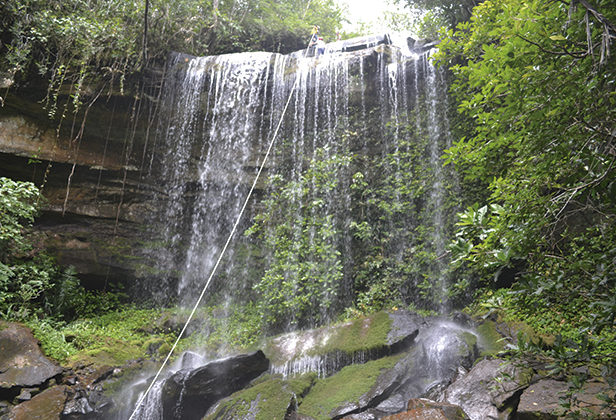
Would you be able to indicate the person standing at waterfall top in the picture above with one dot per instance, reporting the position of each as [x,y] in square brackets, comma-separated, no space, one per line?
[314,35]
[320,46]
[317,40]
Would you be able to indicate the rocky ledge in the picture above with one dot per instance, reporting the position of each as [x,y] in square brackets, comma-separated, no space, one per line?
[446,371]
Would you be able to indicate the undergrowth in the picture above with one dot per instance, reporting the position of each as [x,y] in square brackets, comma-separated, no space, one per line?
[560,336]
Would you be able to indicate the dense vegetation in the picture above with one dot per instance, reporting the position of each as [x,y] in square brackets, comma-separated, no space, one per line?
[535,84]
[87,46]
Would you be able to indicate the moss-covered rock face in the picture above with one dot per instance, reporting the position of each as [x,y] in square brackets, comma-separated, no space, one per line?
[342,392]
[113,353]
[490,340]
[327,350]
[271,398]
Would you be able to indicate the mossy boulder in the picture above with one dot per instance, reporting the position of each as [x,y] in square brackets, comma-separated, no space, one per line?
[113,352]
[490,342]
[272,398]
[47,405]
[350,390]
[329,349]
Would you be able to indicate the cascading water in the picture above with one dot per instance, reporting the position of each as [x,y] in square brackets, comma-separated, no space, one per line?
[356,205]
[356,201]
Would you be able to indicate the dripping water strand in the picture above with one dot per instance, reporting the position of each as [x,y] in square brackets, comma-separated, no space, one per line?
[222,253]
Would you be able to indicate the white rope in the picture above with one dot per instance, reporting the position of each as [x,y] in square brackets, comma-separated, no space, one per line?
[222,253]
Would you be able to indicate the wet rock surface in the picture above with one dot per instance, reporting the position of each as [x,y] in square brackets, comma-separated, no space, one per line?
[490,390]
[541,400]
[47,405]
[22,362]
[270,398]
[189,394]
[408,388]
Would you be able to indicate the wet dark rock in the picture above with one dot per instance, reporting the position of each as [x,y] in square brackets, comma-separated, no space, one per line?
[419,414]
[365,42]
[420,45]
[22,362]
[189,394]
[451,411]
[101,374]
[433,363]
[26,394]
[541,400]
[345,409]
[394,404]
[4,407]
[405,326]
[387,383]
[366,415]
[190,360]
[490,390]
[462,319]
[77,406]
[47,405]
[322,350]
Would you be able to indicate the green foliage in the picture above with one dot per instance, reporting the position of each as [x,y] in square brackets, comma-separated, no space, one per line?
[18,205]
[305,274]
[31,283]
[83,45]
[541,93]
[112,338]
[430,25]
[225,328]
[23,286]
[271,396]
[443,11]
[551,333]
[397,253]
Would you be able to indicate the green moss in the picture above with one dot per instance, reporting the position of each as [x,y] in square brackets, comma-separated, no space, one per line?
[112,352]
[490,340]
[152,345]
[302,385]
[164,349]
[266,401]
[521,327]
[469,339]
[348,385]
[365,333]
[359,335]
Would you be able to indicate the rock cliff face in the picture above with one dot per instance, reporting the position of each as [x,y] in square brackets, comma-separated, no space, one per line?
[90,167]
[100,169]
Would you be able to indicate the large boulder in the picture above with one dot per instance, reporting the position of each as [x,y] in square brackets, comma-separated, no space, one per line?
[22,362]
[189,394]
[329,349]
[491,390]
[274,398]
[541,400]
[47,405]
[451,411]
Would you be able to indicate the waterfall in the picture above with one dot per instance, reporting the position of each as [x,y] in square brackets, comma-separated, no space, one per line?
[353,203]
